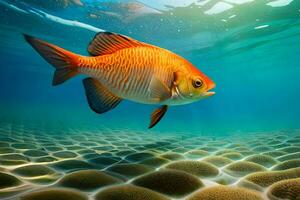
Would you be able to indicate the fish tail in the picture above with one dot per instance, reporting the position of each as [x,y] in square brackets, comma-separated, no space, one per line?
[65,62]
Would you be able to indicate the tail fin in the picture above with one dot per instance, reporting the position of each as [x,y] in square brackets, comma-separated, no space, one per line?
[65,62]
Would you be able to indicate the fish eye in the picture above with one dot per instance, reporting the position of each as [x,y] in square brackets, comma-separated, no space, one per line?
[197,83]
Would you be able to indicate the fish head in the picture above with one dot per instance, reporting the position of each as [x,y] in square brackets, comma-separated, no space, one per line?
[193,85]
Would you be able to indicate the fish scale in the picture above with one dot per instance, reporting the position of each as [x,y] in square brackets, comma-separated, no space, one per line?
[130,65]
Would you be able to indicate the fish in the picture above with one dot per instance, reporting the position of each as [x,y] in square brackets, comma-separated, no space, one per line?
[121,68]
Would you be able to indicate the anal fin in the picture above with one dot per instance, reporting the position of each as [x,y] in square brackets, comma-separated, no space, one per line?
[99,98]
[157,115]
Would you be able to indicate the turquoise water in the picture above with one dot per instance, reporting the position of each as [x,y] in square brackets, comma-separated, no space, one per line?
[249,48]
[241,143]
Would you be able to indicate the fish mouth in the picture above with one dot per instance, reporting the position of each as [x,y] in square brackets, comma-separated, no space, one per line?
[209,93]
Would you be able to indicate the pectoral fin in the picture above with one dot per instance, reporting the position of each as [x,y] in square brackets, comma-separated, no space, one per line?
[157,115]
[99,98]
[158,90]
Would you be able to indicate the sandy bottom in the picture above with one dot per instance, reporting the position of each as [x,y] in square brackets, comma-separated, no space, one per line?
[36,164]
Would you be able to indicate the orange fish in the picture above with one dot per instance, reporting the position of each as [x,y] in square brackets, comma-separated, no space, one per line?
[120,68]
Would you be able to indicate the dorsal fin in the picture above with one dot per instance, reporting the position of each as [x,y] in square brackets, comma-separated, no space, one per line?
[107,43]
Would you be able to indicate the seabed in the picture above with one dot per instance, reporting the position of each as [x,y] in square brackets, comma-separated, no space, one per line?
[41,164]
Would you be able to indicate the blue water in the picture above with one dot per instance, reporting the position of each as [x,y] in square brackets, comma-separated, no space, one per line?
[249,48]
